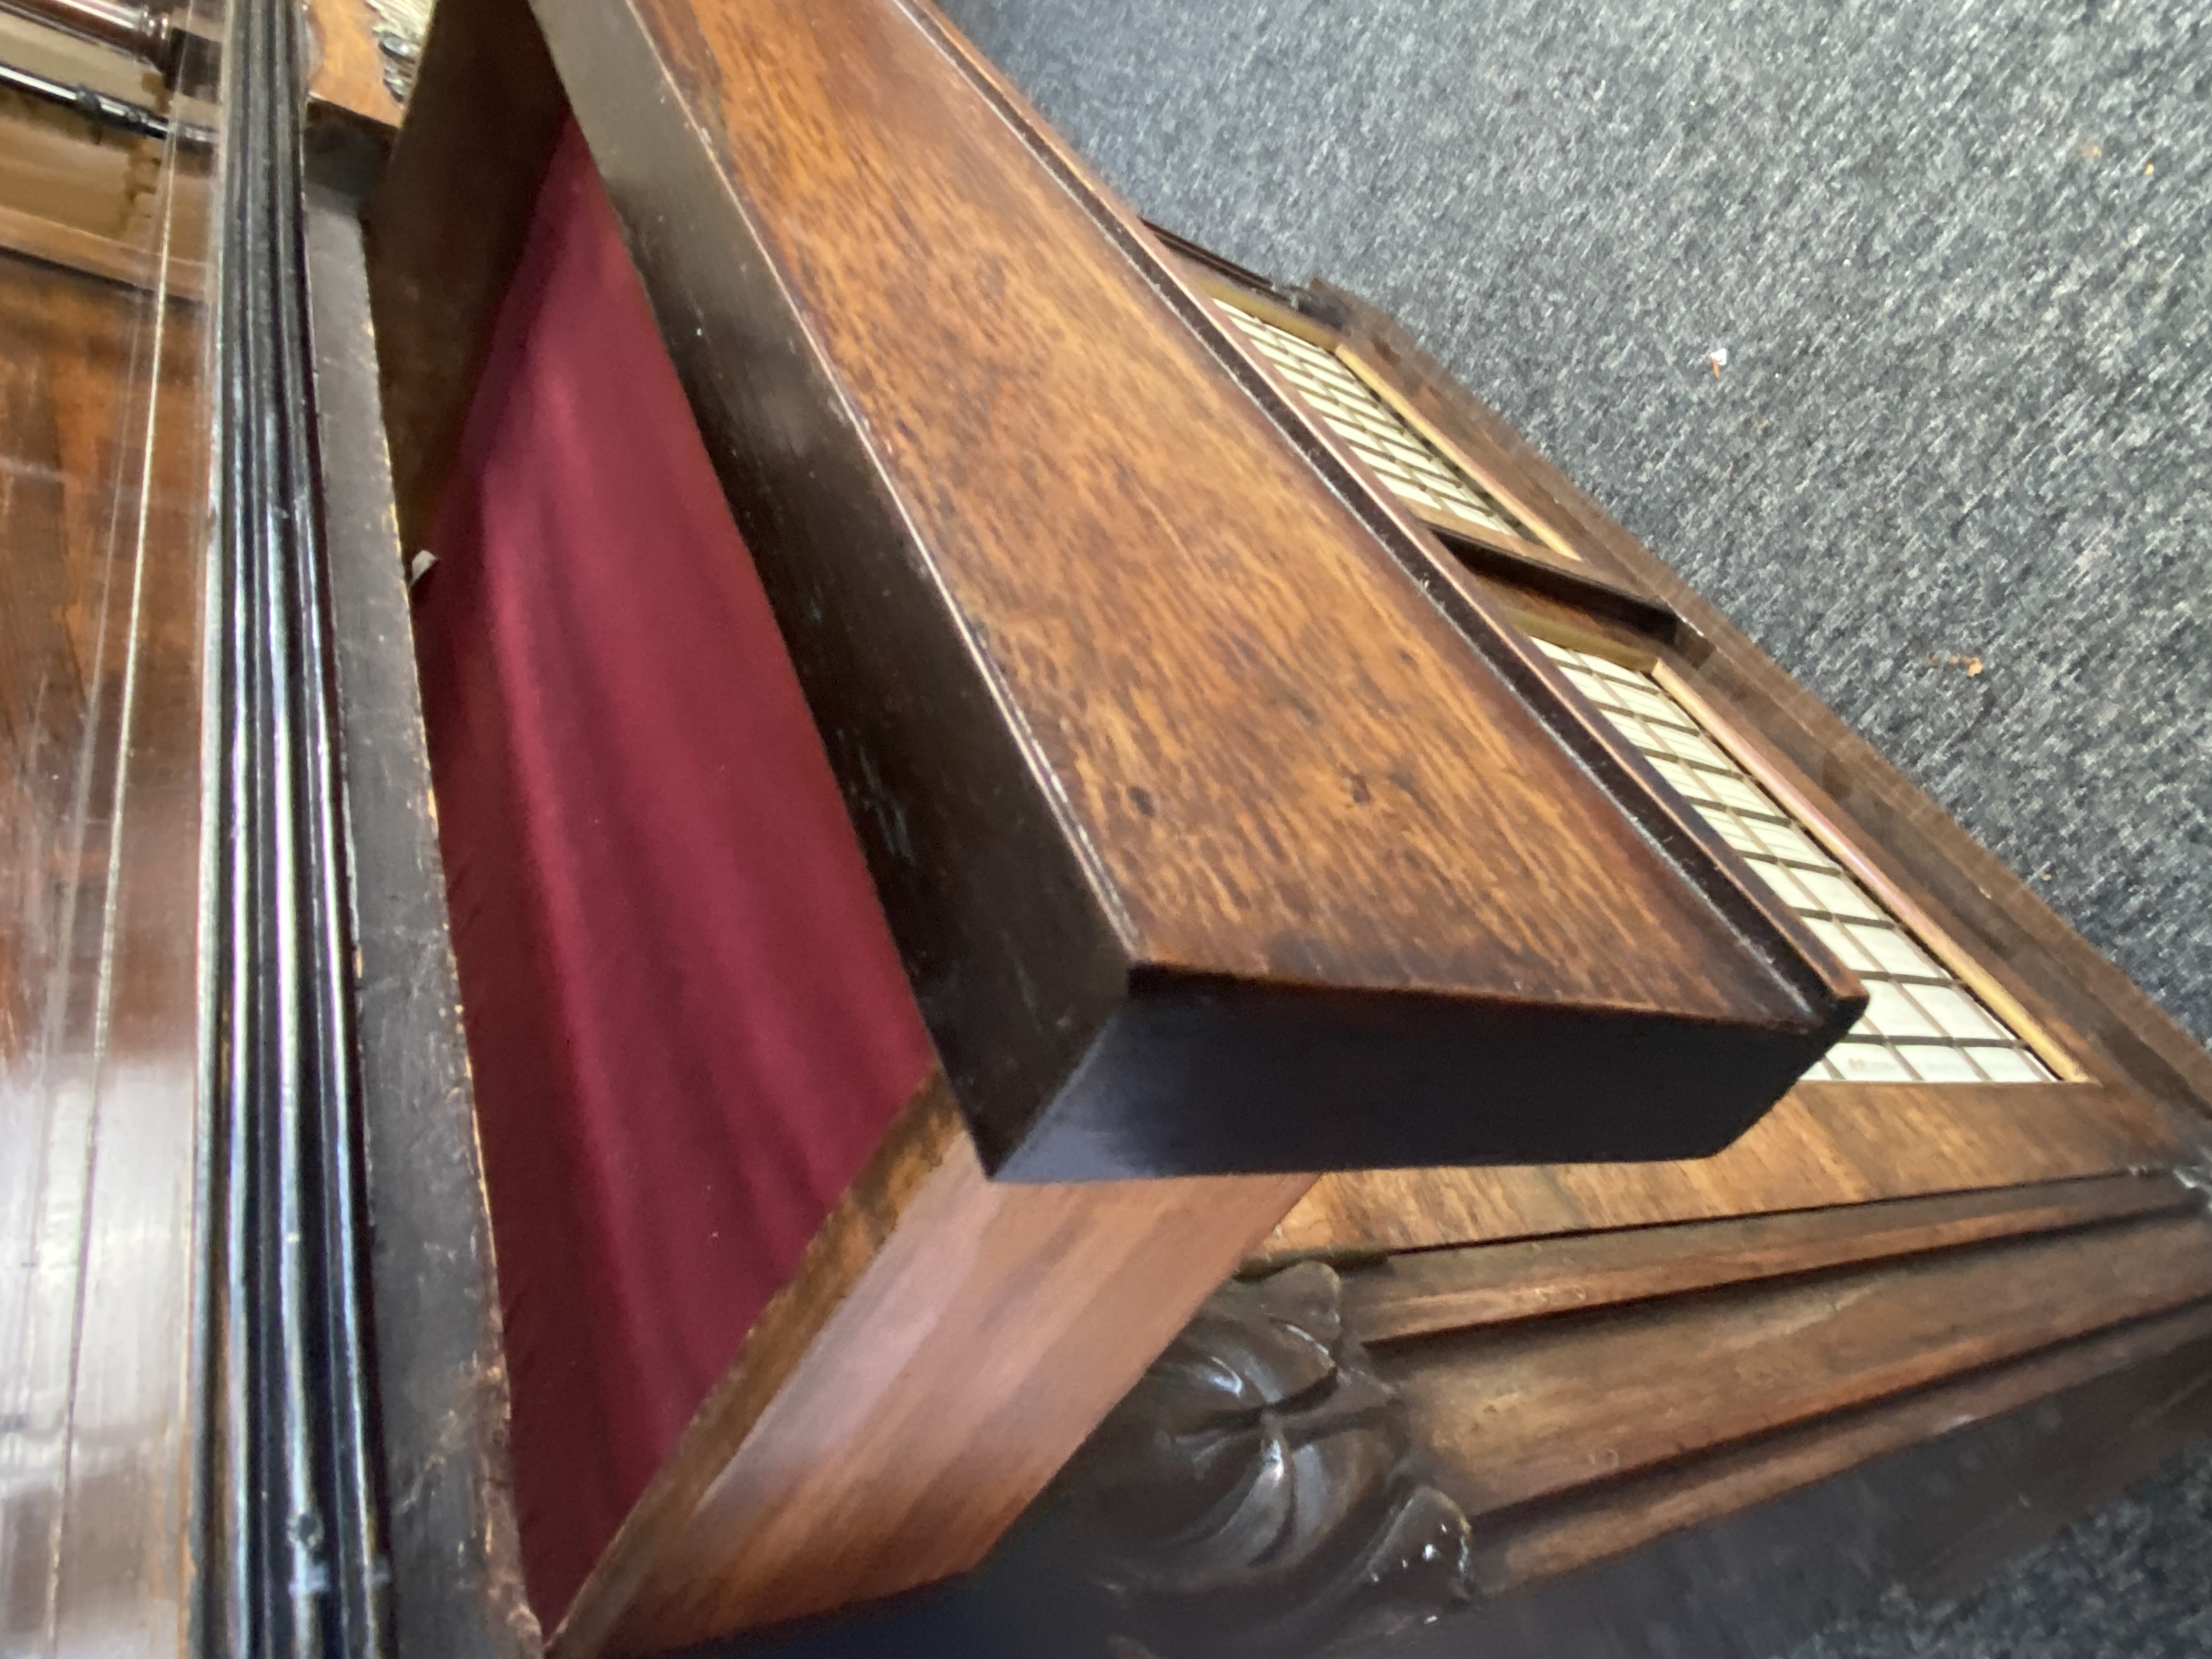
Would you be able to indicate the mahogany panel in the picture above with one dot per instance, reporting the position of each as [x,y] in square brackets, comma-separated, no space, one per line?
[1220,829]
[1533,1411]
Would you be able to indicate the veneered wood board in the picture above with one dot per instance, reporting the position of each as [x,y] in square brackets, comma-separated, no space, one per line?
[445,227]
[946,1345]
[1826,1144]
[1418,1292]
[2001,919]
[1612,1520]
[1218,830]
[1517,1413]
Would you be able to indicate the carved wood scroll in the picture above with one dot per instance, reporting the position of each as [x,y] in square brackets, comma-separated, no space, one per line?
[1260,1493]
[1220,828]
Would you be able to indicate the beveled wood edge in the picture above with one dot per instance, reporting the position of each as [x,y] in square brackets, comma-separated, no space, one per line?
[2044,1028]
[2000,917]
[926,1130]
[1267,306]
[1551,1538]
[1414,1293]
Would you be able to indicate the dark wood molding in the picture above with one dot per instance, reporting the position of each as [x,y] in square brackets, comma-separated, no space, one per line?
[1258,1492]
[944,1348]
[1205,803]
[442,1365]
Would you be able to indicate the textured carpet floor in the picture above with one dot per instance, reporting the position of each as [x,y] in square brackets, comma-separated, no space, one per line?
[1955,256]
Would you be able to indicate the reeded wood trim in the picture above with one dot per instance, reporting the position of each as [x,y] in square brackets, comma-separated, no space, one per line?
[947,1343]
[1209,809]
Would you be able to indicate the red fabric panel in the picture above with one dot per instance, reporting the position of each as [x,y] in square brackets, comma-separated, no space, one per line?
[687,1026]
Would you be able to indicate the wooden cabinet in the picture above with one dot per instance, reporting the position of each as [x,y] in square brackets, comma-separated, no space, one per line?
[1016,802]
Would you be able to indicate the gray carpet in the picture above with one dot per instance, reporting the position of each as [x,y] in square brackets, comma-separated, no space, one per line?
[1955,255]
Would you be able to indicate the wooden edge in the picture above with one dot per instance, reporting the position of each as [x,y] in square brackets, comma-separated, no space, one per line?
[2000,911]
[1204,264]
[349,72]
[1266,306]
[1634,786]
[446,224]
[2043,1030]
[79,249]
[1626,1516]
[1496,483]
[947,1343]
[441,1366]
[1790,1352]
[1420,1293]
[1521,568]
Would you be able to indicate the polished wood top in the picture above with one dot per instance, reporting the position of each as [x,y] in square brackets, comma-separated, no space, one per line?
[1155,717]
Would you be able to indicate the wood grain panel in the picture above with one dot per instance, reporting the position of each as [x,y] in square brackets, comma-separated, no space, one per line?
[99,200]
[1220,831]
[887,1418]
[1530,1411]
[102,467]
[1422,1292]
